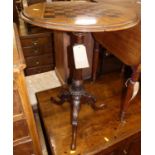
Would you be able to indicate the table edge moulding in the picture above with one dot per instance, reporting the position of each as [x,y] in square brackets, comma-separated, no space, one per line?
[34,14]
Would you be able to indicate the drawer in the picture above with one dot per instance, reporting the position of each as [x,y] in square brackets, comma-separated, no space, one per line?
[34,51]
[20,129]
[24,149]
[39,60]
[17,105]
[36,41]
[40,69]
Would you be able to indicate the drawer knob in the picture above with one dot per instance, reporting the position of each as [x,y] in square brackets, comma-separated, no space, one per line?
[37,62]
[36,51]
[35,43]
[107,54]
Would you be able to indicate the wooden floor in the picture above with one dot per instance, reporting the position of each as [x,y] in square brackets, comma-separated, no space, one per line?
[97,130]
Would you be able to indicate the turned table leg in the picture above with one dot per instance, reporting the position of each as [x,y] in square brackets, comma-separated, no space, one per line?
[130,89]
[95,60]
[75,112]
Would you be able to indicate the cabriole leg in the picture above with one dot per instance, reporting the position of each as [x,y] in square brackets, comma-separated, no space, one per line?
[76,108]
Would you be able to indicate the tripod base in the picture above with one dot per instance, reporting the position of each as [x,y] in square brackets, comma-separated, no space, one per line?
[74,95]
[66,96]
[76,92]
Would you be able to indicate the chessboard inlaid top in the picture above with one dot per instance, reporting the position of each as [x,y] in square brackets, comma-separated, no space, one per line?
[81,16]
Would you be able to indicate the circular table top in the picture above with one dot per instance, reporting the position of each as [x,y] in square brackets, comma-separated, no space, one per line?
[81,16]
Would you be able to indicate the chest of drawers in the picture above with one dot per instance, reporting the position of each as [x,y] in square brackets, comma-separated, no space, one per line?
[38,52]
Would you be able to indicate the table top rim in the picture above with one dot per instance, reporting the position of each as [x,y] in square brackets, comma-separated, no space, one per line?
[76,28]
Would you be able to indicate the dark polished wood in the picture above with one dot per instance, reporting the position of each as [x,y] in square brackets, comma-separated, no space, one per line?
[38,52]
[80,16]
[126,46]
[25,136]
[62,67]
[95,60]
[76,92]
[100,16]
[129,91]
[61,43]
[99,132]
[30,2]
[15,13]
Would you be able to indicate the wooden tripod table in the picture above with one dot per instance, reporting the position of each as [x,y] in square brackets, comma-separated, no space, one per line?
[80,17]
